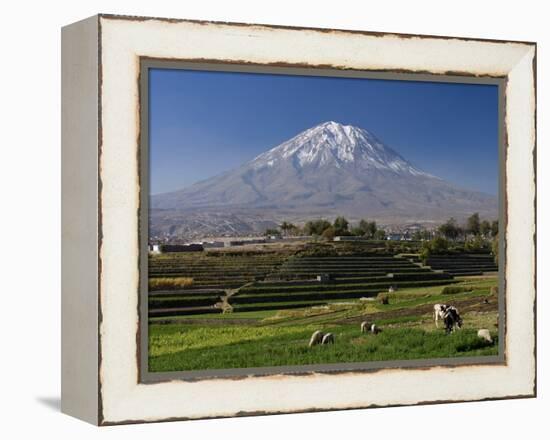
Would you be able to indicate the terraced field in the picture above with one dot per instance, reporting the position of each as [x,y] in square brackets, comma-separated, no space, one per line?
[215,276]
[463,264]
[258,306]
[280,337]
[345,277]
[246,281]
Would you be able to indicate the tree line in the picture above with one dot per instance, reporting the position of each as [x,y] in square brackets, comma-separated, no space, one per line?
[474,227]
[328,230]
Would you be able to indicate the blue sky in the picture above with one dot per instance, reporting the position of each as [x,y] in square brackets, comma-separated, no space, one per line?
[205,123]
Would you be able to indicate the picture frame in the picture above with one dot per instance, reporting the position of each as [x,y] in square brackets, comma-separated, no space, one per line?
[104,214]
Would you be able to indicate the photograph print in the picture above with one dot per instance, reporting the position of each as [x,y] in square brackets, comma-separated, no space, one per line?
[298,220]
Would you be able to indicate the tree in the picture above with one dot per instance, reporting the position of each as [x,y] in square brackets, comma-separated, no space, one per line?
[363,225]
[472,224]
[368,228]
[422,234]
[450,229]
[357,231]
[380,234]
[437,245]
[341,226]
[485,228]
[316,227]
[295,230]
[286,226]
[272,231]
[329,233]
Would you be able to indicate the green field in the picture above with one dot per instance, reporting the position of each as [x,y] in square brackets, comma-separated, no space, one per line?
[180,347]
[258,307]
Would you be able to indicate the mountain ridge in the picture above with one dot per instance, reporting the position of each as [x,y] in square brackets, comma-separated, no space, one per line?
[330,169]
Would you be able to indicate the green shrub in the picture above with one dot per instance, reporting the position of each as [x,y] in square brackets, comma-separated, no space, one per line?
[476,243]
[318,250]
[166,283]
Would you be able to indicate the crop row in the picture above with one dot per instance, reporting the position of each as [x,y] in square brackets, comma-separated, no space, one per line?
[186,292]
[356,292]
[349,265]
[262,288]
[365,270]
[192,301]
[180,311]
[250,263]
[217,273]
[276,306]
[461,263]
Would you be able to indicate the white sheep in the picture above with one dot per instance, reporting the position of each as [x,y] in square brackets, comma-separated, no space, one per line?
[484,334]
[316,338]
[365,327]
[328,339]
[374,329]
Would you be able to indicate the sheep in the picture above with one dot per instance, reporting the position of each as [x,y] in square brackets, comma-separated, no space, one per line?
[316,338]
[328,339]
[365,327]
[392,289]
[484,334]
[374,329]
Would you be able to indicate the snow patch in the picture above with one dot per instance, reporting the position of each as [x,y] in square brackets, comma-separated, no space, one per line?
[332,143]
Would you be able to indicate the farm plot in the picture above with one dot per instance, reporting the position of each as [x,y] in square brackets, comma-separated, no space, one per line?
[271,338]
[463,264]
[213,277]
[341,278]
[270,280]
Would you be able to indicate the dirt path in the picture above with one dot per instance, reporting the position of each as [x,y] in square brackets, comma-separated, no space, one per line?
[476,304]
[224,303]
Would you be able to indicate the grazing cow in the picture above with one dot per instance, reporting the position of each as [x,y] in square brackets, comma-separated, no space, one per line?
[374,329]
[439,312]
[484,334]
[316,338]
[328,339]
[451,319]
[365,327]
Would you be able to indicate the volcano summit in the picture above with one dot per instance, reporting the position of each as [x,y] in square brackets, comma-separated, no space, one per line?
[327,170]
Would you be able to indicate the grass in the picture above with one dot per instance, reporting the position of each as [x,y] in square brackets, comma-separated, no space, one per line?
[252,315]
[166,283]
[193,347]
[272,321]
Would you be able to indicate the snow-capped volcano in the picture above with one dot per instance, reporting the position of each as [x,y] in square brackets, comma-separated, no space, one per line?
[332,143]
[327,170]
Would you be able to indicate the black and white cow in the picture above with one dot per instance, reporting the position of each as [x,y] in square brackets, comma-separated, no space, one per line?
[451,319]
[439,312]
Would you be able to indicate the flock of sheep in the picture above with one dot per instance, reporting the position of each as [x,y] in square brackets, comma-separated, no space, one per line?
[448,314]
[320,338]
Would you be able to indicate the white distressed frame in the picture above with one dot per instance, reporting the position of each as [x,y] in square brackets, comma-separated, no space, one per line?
[122,41]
